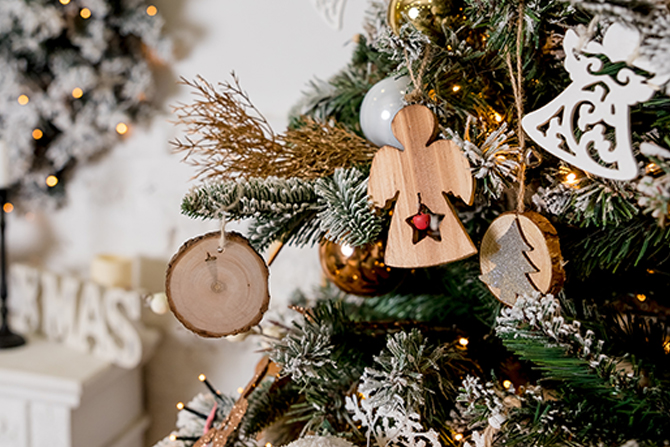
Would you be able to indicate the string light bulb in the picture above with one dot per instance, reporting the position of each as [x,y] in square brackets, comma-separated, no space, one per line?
[507,384]
[85,13]
[23,99]
[8,207]
[571,178]
[77,93]
[37,134]
[152,10]
[456,88]
[202,377]
[51,181]
[498,117]
[121,128]
[173,437]
[240,390]
[64,2]
[268,444]
[463,341]
[180,405]
[666,347]
[641,297]
[458,437]
[652,168]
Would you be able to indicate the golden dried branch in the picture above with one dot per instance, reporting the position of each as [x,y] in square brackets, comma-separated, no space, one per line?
[228,137]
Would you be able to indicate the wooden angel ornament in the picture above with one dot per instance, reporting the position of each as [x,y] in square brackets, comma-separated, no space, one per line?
[425,230]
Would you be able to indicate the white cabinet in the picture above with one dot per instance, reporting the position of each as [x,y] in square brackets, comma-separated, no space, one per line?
[53,396]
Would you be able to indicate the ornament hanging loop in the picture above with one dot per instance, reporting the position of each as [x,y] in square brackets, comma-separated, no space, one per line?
[222,239]
[239,192]
[517,87]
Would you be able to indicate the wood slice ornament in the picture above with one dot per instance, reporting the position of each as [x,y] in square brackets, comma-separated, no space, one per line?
[521,254]
[216,293]
[419,178]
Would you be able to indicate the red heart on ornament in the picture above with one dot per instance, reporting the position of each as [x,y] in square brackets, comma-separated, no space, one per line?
[421,221]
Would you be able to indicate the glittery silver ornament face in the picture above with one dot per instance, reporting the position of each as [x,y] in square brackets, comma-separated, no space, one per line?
[512,265]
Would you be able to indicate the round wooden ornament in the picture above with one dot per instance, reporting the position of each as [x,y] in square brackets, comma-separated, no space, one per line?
[520,254]
[215,294]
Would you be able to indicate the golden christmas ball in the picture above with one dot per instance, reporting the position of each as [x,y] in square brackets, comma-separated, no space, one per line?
[426,15]
[358,270]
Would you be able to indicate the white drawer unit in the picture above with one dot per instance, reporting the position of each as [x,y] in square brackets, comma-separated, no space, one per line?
[54,396]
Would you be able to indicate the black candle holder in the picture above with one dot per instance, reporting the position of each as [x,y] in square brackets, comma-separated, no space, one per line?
[8,339]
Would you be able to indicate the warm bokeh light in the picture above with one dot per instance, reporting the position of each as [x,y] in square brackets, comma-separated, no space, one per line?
[458,437]
[507,384]
[240,390]
[498,117]
[51,181]
[173,437]
[571,178]
[85,13]
[121,128]
[77,93]
[37,134]
[152,10]
[456,88]
[180,405]
[641,297]
[64,2]
[202,377]
[463,341]
[23,100]
[347,250]
[8,207]
[652,168]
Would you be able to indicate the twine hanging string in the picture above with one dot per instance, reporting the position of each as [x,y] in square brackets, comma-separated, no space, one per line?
[418,79]
[239,192]
[517,88]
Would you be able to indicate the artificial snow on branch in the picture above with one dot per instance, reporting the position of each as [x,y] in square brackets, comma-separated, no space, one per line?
[495,162]
[346,213]
[391,395]
[73,77]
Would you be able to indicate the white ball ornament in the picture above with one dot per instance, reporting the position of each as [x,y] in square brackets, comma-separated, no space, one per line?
[320,441]
[159,303]
[379,107]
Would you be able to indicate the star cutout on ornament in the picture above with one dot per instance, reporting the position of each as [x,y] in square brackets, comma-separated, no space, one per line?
[425,223]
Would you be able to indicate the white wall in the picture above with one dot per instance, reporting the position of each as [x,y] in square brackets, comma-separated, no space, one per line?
[128,201]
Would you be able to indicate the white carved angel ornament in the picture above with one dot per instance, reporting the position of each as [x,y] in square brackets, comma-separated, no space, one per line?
[588,124]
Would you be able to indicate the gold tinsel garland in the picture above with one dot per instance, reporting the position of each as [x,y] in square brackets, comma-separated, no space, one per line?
[227,137]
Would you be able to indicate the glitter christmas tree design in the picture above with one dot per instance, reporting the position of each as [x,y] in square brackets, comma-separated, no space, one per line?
[510,274]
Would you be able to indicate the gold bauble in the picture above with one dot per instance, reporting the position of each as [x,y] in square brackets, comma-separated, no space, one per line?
[359,270]
[426,15]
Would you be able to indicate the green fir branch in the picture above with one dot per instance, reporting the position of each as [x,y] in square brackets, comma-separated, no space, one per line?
[268,404]
[601,398]
[251,198]
[620,248]
[346,214]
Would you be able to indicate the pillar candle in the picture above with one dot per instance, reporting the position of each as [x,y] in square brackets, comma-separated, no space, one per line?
[112,271]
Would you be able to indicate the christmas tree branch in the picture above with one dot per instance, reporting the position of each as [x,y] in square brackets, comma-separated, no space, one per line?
[583,375]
